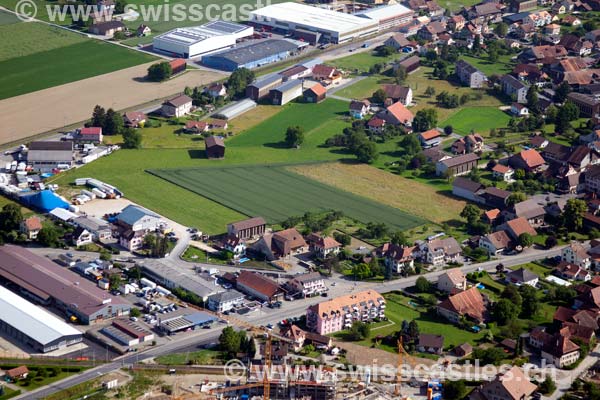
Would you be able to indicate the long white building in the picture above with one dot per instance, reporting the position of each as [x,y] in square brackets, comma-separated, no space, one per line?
[198,40]
[333,26]
[34,326]
[388,16]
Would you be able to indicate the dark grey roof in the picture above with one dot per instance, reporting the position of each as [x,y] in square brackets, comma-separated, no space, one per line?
[458,160]
[52,145]
[512,81]
[522,275]
[256,52]
[213,141]
[266,81]
[226,296]
[467,184]
[462,64]
[289,85]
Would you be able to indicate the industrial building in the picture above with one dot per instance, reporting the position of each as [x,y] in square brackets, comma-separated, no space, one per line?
[261,87]
[34,326]
[327,26]
[198,40]
[185,322]
[190,281]
[253,55]
[46,155]
[47,283]
[388,16]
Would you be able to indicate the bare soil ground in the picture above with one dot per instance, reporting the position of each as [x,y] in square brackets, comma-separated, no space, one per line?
[407,195]
[48,109]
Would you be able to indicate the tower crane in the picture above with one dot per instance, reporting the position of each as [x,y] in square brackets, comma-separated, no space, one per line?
[402,354]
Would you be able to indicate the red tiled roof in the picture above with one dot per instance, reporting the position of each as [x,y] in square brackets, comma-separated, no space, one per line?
[532,158]
[520,226]
[430,134]
[33,223]
[400,112]
[258,282]
[501,169]
[318,89]
[92,130]
[469,302]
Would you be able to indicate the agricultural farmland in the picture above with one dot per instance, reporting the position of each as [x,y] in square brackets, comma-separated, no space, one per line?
[67,57]
[276,194]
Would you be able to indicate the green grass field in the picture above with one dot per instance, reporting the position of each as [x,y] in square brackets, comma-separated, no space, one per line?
[7,18]
[399,309]
[504,64]
[478,119]
[276,194]
[362,61]
[364,88]
[24,39]
[28,74]
[201,357]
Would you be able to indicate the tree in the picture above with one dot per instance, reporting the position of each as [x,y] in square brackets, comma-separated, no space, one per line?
[378,96]
[135,312]
[448,130]
[399,238]
[400,74]
[294,136]
[359,331]
[367,152]
[413,330]
[454,389]
[516,197]
[10,217]
[511,293]
[410,144]
[492,55]
[430,91]
[98,116]
[422,285]
[471,213]
[525,239]
[551,241]
[385,51]
[573,214]
[425,119]
[132,139]
[561,92]
[531,303]
[113,123]
[230,341]
[532,98]
[342,238]
[48,236]
[548,386]
[160,72]
[238,81]
[115,281]
[505,311]
[501,29]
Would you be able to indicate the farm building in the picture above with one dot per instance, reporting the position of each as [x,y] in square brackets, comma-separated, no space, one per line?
[34,326]
[410,63]
[215,147]
[108,28]
[388,16]
[198,40]
[286,92]
[315,93]
[248,228]
[261,87]
[253,55]
[90,134]
[46,155]
[46,282]
[178,65]
[330,26]
[235,109]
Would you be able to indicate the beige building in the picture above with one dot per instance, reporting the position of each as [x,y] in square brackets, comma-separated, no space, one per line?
[451,280]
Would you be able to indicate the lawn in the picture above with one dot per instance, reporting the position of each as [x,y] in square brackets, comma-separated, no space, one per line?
[503,66]
[540,270]
[7,18]
[70,57]
[398,309]
[362,62]
[364,88]
[276,194]
[8,393]
[478,119]
[195,357]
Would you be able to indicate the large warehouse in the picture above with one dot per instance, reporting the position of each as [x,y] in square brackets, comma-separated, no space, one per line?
[45,282]
[331,26]
[253,55]
[194,41]
[33,326]
[388,16]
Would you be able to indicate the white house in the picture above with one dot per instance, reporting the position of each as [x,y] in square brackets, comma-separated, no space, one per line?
[308,284]
[177,106]
[225,301]
[576,254]
[235,245]
[522,276]
[451,280]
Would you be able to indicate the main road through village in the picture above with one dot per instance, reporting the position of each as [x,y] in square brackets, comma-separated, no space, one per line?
[266,316]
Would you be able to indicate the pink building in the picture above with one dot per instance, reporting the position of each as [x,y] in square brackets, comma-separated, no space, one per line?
[336,314]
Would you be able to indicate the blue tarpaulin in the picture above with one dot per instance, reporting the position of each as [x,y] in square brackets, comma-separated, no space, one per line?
[45,201]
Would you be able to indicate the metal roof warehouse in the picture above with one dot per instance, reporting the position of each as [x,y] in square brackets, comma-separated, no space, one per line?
[33,325]
[253,55]
[334,26]
[46,282]
[183,322]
